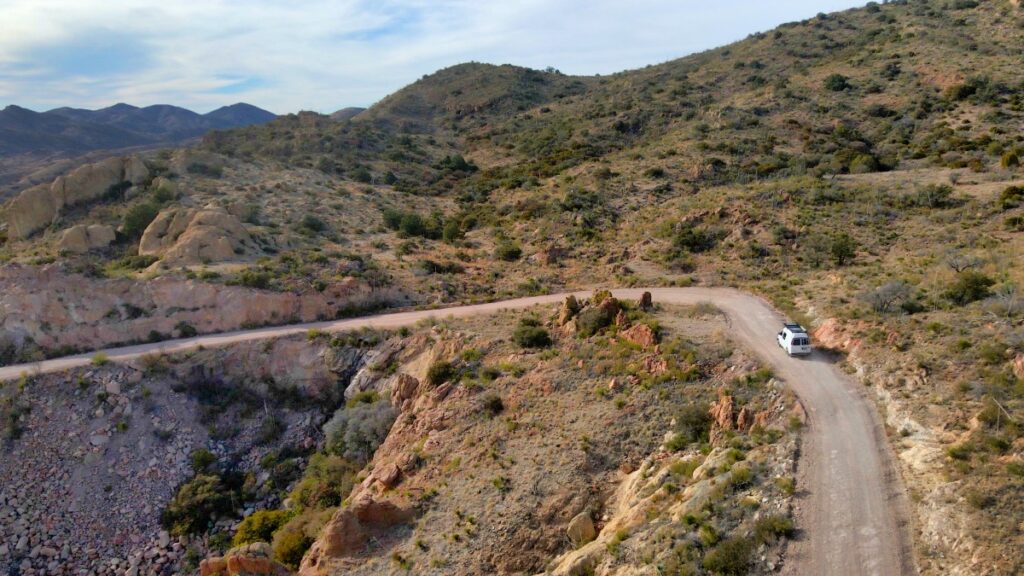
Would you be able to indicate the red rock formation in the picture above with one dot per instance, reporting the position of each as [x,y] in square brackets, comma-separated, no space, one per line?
[641,334]
[722,411]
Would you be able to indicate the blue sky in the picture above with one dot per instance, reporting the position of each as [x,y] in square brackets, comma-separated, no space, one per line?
[328,54]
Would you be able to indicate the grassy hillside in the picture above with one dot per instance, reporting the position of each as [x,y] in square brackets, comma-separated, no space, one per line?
[860,169]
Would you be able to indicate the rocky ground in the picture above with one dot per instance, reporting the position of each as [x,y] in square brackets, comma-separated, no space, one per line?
[91,458]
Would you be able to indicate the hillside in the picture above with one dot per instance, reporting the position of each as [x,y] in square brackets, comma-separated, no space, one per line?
[860,170]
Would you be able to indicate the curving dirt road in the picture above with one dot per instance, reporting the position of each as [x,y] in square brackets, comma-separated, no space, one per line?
[851,510]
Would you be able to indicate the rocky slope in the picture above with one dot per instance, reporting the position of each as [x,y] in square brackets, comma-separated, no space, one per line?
[463,482]
[47,309]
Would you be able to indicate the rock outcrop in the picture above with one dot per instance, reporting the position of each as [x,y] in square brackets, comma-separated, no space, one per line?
[38,207]
[81,238]
[251,560]
[187,236]
[640,334]
[57,309]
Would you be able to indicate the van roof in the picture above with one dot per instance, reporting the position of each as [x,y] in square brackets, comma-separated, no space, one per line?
[795,327]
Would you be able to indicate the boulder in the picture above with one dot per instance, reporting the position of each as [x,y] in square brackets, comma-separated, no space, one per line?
[251,560]
[581,529]
[39,206]
[569,309]
[187,237]
[81,238]
[1018,366]
[641,334]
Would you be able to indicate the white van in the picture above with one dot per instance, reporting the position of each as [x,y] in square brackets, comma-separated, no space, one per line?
[794,340]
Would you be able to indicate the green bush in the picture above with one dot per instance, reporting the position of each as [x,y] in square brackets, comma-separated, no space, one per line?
[837,83]
[730,557]
[259,279]
[529,334]
[327,481]
[440,372]
[693,423]
[311,225]
[260,526]
[196,505]
[508,251]
[290,545]
[137,218]
[202,460]
[1010,159]
[1011,197]
[770,528]
[969,286]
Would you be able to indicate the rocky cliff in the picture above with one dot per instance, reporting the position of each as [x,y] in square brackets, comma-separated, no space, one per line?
[37,207]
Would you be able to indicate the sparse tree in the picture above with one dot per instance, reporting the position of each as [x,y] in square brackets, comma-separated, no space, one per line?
[959,261]
[888,297]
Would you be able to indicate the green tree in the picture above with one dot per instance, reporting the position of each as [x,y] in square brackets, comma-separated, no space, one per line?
[137,218]
[842,249]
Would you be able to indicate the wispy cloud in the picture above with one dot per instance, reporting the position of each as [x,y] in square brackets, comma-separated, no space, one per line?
[327,54]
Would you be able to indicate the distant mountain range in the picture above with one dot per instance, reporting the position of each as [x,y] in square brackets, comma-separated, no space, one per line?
[76,130]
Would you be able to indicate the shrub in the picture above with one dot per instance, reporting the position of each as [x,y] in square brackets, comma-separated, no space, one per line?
[355,433]
[688,237]
[440,372]
[270,429]
[250,278]
[411,224]
[931,196]
[508,251]
[1011,197]
[770,528]
[592,320]
[969,286]
[888,297]
[327,481]
[529,334]
[1010,159]
[100,359]
[197,503]
[185,330]
[290,545]
[693,423]
[260,526]
[202,459]
[837,83]
[863,164]
[731,557]
[492,404]
[138,218]
[311,224]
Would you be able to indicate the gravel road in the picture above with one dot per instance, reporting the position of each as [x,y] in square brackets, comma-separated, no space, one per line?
[851,509]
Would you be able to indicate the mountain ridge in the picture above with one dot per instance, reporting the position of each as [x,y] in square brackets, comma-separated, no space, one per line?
[77,130]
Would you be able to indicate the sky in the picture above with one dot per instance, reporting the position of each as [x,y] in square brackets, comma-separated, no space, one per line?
[323,55]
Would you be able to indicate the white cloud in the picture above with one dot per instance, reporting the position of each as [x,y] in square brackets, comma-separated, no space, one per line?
[326,54]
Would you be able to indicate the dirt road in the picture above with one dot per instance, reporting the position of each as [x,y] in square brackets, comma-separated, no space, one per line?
[851,510]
